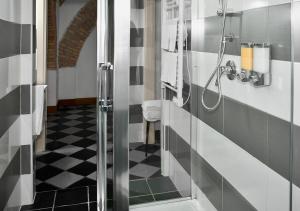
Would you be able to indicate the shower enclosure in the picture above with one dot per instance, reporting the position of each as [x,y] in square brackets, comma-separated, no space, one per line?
[226,73]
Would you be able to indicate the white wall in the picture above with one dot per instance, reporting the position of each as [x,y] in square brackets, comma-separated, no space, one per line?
[78,81]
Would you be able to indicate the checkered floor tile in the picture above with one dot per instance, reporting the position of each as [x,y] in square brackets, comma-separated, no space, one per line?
[70,157]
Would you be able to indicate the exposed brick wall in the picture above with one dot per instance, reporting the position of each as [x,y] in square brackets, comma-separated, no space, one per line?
[52,35]
[76,34]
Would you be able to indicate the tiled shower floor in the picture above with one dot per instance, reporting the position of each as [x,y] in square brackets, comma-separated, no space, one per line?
[70,157]
[66,172]
[84,198]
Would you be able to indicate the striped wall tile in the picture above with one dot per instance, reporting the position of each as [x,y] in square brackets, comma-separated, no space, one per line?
[221,194]
[137,4]
[262,135]
[135,114]
[136,37]
[10,38]
[9,179]
[136,75]
[9,110]
[261,25]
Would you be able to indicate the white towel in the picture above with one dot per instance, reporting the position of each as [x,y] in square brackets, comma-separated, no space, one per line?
[38,114]
[152,110]
[165,37]
[173,29]
[169,67]
[169,35]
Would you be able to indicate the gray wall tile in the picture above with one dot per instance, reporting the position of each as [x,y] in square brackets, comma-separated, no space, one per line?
[10,38]
[194,100]
[135,114]
[9,110]
[183,154]
[172,141]
[9,179]
[261,25]
[279,29]
[137,4]
[297,31]
[25,99]
[180,149]
[25,159]
[213,119]
[207,179]
[26,39]
[167,136]
[296,155]
[279,145]
[233,200]
[136,37]
[247,127]
[255,25]
[136,75]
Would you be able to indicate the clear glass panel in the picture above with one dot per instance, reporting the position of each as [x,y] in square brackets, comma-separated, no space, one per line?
[241,137]
[296,114]
[161,169]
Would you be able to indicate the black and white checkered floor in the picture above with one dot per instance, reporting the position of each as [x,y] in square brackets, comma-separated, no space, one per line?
[70,157]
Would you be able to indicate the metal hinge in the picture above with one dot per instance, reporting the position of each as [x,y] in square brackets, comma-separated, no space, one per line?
[106,105]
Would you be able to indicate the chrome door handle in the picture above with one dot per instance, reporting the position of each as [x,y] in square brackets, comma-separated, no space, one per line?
[106,105]
[105,102]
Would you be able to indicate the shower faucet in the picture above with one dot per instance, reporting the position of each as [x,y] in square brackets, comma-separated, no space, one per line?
[254,78]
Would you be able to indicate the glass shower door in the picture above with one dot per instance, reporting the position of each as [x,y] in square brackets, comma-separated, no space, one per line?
[142,159]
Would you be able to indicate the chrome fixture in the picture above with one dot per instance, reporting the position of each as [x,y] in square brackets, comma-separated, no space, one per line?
[218,70]
[254,78]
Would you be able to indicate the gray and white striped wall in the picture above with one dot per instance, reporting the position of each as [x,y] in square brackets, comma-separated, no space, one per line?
[239,156]
[16,77]
[136,90]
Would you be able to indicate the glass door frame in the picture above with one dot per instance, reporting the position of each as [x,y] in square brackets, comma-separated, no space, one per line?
[113,41]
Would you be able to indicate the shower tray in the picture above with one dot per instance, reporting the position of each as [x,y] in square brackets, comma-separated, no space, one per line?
[189,205]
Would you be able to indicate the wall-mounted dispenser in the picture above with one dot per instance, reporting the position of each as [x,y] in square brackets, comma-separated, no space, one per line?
[255,65]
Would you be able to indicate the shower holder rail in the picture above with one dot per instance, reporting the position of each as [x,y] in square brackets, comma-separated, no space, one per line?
[256,79]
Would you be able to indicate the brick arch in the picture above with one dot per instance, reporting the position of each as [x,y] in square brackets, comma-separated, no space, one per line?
[76,34]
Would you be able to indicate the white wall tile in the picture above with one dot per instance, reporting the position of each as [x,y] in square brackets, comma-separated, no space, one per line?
[297,93]
[136,94]
[10,10]
[26,129]
[180,177]
[26,68]
[206,8]
[180,121]
[136,132]
[274,99]
[253,179]
[27,188]
[26,11]
[137,56]
[296,197]
[137,18]
[9,74]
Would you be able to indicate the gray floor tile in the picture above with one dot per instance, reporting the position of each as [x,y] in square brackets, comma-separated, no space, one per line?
[69,139]
[143,170]
[66,163]
[138,188]
[64,179]
[167,196]
[161,185]
[141,200]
